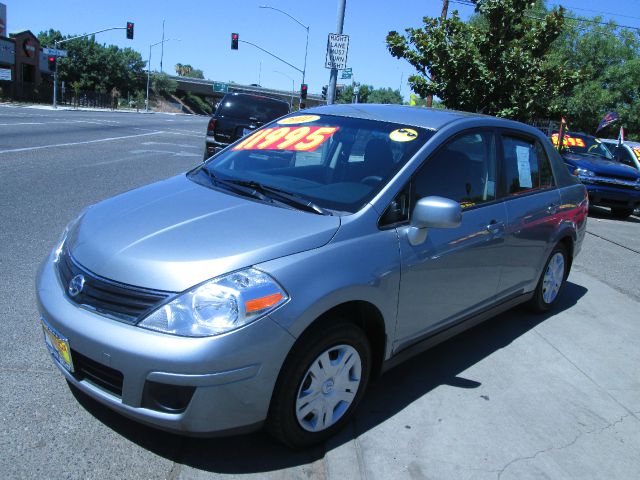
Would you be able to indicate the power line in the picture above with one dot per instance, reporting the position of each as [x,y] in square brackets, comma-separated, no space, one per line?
[575,19]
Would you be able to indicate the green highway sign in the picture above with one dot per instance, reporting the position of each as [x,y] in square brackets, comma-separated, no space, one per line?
[220,87]
[346,73]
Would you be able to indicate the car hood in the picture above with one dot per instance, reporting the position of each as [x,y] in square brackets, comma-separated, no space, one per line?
[175,234]
[601,166]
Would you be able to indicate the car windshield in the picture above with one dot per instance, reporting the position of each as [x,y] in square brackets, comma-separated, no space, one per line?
[259,108]
[336,163]
[582,144]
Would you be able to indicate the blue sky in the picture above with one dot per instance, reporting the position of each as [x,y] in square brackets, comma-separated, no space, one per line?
[205,27]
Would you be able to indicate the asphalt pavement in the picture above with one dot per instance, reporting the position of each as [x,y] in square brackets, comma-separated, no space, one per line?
[520,396]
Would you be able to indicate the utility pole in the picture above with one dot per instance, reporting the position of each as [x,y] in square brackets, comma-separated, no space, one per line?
[443,17]
[162,46]
[333,77]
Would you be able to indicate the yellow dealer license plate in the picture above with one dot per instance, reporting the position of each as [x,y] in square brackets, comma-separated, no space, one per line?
[58,346]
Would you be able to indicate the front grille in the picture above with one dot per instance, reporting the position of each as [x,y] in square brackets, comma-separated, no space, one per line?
[118,300]
[606,183]
[100,375]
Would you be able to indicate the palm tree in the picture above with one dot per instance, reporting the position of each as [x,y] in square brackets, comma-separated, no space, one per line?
[179,69]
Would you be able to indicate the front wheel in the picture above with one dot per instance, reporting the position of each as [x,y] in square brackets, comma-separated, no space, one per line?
[320,385]
[552,280]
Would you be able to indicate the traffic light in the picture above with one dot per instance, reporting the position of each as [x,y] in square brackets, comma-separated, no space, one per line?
[130,30]
[324,92]
[52,63]
[303,91]
[234,41]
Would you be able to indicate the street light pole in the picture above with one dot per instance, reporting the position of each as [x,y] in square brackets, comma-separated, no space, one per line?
[161,42]
[293,86]
[333,77]
[306,47]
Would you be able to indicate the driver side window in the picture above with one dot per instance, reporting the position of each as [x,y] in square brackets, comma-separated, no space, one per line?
[463,170]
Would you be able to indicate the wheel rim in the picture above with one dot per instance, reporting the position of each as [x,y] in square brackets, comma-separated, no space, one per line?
[553,278]
[328,388]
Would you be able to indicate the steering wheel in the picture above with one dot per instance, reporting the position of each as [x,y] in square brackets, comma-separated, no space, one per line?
[371,180]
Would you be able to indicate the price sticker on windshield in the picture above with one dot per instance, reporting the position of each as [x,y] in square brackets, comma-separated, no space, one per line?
[636,151]
[568,141]
[301,139]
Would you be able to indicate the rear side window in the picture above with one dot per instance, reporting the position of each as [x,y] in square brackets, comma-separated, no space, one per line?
[526,166]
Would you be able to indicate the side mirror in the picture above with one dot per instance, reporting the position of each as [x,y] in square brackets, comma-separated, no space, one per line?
[433,212]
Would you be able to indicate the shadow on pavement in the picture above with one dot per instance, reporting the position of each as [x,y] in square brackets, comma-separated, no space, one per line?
[602,212]
[258,452]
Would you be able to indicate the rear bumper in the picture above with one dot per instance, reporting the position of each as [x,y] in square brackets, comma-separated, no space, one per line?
[212,146]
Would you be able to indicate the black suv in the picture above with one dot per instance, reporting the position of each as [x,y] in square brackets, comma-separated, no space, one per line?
[238,114]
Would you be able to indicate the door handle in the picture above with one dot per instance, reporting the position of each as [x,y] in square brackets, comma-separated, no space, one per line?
[495,227]
[553,208]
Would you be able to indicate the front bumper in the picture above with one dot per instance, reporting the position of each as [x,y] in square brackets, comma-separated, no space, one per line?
[613,196]
[231,376]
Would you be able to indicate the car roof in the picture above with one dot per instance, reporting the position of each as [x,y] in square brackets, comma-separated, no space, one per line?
[430,118]
[615,140]
[252,96]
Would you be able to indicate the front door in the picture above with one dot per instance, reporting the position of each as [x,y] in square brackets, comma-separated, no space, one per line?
[456,271]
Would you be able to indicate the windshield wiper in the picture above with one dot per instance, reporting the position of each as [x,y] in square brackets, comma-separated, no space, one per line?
[289,198]
[246,190]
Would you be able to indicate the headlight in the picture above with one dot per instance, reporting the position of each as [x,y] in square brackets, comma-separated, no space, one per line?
[68,229]
[581,172]
[219,305]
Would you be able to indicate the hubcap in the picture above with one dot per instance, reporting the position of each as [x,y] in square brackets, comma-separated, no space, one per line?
[328,388]
[553,278]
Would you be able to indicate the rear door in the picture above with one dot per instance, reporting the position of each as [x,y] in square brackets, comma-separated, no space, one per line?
[456,271]
[532,201]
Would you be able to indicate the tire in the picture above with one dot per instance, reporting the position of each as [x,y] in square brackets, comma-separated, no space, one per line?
[621,213]
[551,280]
[299,422]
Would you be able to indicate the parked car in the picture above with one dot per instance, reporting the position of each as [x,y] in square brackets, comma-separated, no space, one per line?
[609,183]
[238,114]
[270,284]
[627,153]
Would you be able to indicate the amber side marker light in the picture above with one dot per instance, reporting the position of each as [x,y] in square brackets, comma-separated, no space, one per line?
[262,303]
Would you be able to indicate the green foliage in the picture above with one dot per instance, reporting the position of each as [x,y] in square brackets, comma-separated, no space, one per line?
[197,104]
[369,94]
[385,95]
[496,64]
[162,84]
[609,61]
[96,66]
[188,71]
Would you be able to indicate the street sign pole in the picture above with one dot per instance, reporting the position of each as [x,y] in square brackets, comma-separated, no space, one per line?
[55,79]
[333,77]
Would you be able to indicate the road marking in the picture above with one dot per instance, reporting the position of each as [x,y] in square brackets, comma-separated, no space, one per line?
[172,144]
[27,149]
[23,123]
[168,152]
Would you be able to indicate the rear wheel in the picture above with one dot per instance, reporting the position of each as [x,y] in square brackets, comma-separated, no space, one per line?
[552,280]
[320,385]
[621,213]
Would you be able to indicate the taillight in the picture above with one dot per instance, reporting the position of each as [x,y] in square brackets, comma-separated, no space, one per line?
[211,126]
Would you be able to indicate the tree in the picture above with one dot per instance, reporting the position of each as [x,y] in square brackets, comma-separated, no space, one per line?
[97,67]
[162,84]
[347,96]
[385,95]
[495,65]
[609,61]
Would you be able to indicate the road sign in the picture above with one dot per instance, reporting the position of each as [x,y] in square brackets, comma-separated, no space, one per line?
[346,73]
[55,52]
[220,87]
[337,48]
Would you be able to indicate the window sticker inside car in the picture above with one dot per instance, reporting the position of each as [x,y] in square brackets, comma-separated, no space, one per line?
[524,167]
[568,141]
[403,135]
[298,119]
[636,152]
[305,139]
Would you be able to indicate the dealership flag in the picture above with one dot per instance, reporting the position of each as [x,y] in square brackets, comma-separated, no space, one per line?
[608,119]
[621,137]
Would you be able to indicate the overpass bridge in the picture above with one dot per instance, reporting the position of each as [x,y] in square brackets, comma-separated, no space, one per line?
[203,87]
